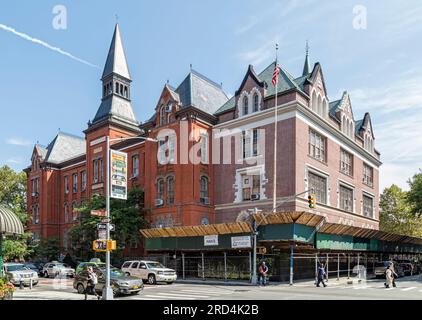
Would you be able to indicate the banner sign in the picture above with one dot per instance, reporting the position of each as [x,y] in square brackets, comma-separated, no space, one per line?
[101,213]
[241,242]
[118,175]
[211,240]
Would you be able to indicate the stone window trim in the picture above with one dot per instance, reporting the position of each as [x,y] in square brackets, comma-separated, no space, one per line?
[351,163]
[250,99]
[238,187]
[321,173]
[367,182]
[320,147]
[372,197]
[351,187]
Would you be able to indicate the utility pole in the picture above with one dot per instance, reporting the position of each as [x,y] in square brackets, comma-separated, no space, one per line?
[254,279]
[107,293]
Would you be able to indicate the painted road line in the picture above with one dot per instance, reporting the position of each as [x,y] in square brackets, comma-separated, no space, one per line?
[206,291]
[408,289]
[167,297]
[181,295]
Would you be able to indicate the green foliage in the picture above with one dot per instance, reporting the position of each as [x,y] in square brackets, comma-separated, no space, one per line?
[415,194]
[396,214]
[13,195]
[46,249]
[127,216]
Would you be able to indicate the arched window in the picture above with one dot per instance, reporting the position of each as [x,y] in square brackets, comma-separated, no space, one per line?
[255,102]
[351,129]
[126,92]
[117,88]
[170,190]
[162,116]
[160,189]
[245,105]
[121,89]
[325,109]
[314,102]
[319,110]
[204,189]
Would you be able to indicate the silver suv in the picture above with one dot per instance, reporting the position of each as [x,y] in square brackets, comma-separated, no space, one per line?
[57,269]
[17,273]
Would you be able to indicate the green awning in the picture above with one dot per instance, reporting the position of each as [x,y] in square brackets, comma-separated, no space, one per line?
[9,222]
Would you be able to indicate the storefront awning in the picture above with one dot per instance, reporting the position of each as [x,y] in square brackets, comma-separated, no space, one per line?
[9,222]
[195,231]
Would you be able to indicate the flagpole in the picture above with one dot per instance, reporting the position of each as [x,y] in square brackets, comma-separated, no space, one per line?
[275,136]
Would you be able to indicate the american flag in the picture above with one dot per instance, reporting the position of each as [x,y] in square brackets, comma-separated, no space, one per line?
[275,74]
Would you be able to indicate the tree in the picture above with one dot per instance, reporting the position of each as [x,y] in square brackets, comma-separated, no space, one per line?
[127,216]
[396,215]
[46,249]
[415,194]
[13,195]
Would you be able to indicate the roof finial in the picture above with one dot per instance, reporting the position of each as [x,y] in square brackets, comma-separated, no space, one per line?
[117,18]
[168,81]
[306,67]
[190,67]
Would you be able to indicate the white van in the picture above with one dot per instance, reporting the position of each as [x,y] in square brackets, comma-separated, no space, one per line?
[149,271]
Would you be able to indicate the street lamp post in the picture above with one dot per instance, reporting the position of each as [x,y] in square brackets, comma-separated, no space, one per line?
[108,291]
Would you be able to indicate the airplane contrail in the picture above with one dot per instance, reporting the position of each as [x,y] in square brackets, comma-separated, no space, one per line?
[45,44]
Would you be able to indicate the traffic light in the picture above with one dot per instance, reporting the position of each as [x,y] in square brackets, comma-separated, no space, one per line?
[311,201]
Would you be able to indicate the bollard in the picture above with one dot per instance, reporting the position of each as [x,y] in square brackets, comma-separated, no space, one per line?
[30,284]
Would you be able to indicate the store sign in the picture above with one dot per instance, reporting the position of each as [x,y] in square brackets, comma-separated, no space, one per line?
[241,242]
[211,240]
[118,174]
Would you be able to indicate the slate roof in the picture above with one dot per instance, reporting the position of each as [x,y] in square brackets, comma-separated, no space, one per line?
[65,147]
[116,59]
[42,151]
[199,91]
[358,126]
[334,107]
[117,107]
[230,104]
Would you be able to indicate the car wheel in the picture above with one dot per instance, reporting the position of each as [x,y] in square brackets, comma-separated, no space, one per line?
[45,274]
[134,293]
[127,274]
[80,287]
[151,279]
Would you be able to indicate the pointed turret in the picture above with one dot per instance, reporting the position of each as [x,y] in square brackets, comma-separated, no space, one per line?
[116,60]
[306,67]
[116,104]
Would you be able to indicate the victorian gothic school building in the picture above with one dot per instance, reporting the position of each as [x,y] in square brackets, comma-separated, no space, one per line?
[322,145]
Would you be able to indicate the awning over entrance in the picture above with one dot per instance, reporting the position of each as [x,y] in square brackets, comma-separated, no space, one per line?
[9,222]
[196,231]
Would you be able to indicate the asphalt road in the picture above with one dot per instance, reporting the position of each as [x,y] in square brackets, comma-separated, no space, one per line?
[407,288]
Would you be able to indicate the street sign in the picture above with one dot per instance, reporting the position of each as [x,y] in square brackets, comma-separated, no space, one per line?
[118,174]
[104,245]
[103,226]
[102,234]
[100,213]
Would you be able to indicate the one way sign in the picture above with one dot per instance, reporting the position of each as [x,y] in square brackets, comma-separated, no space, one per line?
[103,226]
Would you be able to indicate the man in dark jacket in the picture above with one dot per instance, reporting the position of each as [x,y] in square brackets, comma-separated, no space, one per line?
[321,275]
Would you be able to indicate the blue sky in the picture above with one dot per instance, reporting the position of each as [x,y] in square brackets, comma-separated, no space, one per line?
[42,90]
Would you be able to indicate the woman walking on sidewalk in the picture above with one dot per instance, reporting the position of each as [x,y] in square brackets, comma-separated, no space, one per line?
[321,275]
[388,277]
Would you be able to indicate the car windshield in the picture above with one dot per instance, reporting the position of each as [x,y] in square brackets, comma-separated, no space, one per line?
[114,272]
[382,264]
[62,266]
[30,265]
[16,267]
[154,265]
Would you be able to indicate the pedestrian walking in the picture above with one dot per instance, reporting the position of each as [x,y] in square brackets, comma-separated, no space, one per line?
[91,281]
[321,275]
[388,277]
[395,276]
[263,273]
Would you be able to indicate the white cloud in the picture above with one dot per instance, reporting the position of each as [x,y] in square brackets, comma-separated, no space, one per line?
[14,161]
[18,142]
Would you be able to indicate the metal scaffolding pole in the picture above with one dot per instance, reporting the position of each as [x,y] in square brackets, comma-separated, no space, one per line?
[203,266]
[327,267]
[348,266]
[338,266]
[225,266]
[183,266]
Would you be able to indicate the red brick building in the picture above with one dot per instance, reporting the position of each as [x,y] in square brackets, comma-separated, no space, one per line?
[187,178]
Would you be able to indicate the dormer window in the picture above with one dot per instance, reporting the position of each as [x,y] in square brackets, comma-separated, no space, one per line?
[162,116]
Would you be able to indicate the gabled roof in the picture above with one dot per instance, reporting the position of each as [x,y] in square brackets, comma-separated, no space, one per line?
[65,147]
[199,91]
[285,81]
[116,59]
[41,151]
[250,73]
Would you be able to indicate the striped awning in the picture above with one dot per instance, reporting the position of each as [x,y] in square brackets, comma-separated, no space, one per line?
[9,222]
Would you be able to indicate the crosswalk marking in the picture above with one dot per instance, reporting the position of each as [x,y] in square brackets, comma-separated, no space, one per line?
[207,292]
[182,295]
[169,297]
[408,289]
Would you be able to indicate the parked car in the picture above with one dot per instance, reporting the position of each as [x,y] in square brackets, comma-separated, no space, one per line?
[119,281]
[17,273]
[381,266]
[92,263]
[407,266]
[150,271]
[33,266]
[57,269]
